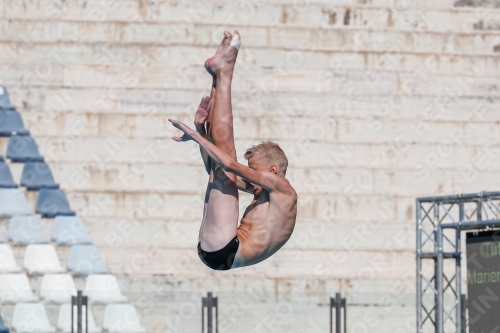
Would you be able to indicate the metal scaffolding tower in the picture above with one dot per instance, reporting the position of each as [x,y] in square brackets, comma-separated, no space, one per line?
[440,221]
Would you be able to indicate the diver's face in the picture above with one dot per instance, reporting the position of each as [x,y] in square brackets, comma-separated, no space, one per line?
[254,163]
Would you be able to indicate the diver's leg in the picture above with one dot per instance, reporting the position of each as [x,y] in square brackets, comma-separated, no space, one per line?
[220,220]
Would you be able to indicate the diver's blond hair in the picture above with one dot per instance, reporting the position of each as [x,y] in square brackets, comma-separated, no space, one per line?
[269,153]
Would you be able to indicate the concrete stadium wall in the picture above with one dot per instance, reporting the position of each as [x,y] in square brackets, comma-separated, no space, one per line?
[375,103]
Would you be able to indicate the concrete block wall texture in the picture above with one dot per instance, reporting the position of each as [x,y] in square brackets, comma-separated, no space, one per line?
[375,103]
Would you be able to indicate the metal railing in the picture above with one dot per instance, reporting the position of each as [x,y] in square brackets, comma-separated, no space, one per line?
[440,221]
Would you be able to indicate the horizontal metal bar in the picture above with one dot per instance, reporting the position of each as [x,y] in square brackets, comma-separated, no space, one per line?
[458,196]
[427,255]
[433,255]
[472,225]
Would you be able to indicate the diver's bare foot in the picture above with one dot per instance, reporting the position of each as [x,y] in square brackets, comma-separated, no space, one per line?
[203,111]
[224,59]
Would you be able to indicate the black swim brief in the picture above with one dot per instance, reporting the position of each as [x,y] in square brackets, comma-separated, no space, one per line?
[220,260]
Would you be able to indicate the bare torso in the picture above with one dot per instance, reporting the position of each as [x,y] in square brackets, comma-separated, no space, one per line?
[266,226]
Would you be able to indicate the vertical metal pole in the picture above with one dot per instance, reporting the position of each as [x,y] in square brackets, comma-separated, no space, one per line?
[203,304]
[439,271]
[463,313]
[209,312]
[344,303]
[458,265]
[419,267]
[86,312]
[216,305]
[79,301]
[479,210]
[338,307]
[73,315]
[332,304]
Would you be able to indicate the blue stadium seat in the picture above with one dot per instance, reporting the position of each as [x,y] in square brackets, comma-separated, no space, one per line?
[69,230]
[3,328]
[23,149]
[24,230]
[11,123]
[5,103]
[85,260]
[37,175]
[51,203]
[6,180]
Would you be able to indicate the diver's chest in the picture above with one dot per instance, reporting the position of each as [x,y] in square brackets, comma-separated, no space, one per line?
[257,210]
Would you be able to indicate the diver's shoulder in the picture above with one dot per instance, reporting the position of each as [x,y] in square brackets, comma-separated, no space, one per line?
[292,191]
[288,190]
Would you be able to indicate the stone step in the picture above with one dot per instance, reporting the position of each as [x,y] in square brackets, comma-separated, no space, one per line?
[188,207]
[278,37]
[314,286]
[259,290]
[338,81]
[333,231]
[310,14]
[234,283]
[303,318]
[122,177]
[322,264]
[135,10]
[139,234]
[249,126]
[142,56]
[192,179]
[262,290]
[280,61]
[143,102]
[301,152]
[392,158]
[129,232]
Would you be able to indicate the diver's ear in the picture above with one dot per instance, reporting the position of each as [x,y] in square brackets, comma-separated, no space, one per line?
[274,169]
